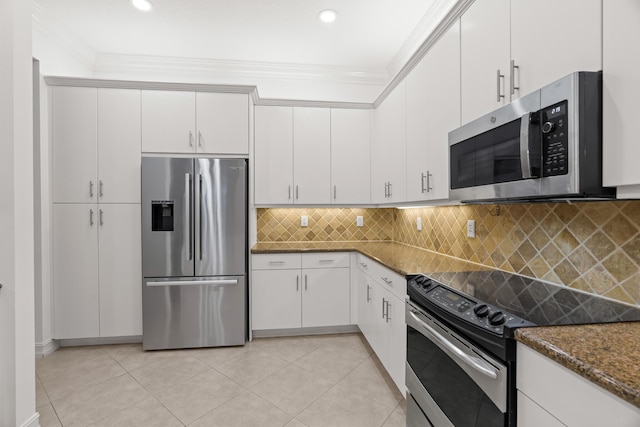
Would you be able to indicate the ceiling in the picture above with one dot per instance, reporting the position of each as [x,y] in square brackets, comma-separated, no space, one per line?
[368,35]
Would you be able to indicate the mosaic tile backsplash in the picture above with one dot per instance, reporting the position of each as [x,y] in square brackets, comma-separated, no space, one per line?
[592,246]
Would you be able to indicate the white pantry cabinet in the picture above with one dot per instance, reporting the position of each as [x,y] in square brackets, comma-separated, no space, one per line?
[433,110]
[292,155]
[551,395]
[291,291]
[388,149]
[511,48]
[381,316]
[621,91]
[195,122]
[96,270]
[96,145]
[350,156]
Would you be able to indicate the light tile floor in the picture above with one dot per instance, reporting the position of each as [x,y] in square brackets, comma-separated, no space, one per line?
[323,381]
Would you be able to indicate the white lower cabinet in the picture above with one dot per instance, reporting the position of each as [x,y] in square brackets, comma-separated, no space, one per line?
[551,395]
[96,270]
[381,319]
[291,291]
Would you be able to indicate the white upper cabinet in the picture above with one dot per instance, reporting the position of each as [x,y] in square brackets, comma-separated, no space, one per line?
[74,144]
[223,123]
[550,39]
[168,121]
[621,91]
[388,149]
[118,146]
[273,155]
[190,122]
[350,156]
[433,110]
[511,48]
[485,54]
[312,155]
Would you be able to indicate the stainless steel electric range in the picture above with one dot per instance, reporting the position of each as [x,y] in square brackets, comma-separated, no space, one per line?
[461,351]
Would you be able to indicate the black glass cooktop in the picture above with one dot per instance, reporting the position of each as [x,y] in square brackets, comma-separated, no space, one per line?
[538,302]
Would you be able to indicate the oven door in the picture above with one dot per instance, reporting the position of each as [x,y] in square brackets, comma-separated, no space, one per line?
[453,382]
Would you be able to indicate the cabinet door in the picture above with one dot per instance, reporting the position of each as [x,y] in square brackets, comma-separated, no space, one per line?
[379,341]
[564,45]
[350,156]
[273,155]
[223,123]
[365,307]
[74,140]
[276,301]
[485,55]
[433,110]
[325,297]
[621,91]
[168,121]
[75,271]
[119,149]
[388,152]
[397,330]
[530,414]
[120,270]
[312,155]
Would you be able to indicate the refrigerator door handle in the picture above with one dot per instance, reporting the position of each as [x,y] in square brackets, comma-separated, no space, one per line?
[189,219]
[194,282]
[201,214]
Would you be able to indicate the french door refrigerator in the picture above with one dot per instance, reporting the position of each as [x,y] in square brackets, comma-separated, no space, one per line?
[194,252]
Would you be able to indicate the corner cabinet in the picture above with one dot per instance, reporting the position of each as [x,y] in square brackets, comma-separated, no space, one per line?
[502,60]
[381,311]
[96,212]
[195,122]
[293,291]
[389,148]
[621,91]
[572,401]
[433,110]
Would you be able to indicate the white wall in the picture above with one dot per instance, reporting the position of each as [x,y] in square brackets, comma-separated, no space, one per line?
[59,57]
[17,369]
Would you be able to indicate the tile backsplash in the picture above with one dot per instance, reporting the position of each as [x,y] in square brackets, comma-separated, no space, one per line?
[592,246]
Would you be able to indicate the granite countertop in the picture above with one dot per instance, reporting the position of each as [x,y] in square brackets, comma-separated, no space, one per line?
[606,354]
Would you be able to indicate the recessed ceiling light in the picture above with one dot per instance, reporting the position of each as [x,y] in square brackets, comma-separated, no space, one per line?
[328,15]
[143,5]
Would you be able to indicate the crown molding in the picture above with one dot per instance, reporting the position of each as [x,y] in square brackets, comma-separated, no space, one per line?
[108,64]
[443,24]
[60,36]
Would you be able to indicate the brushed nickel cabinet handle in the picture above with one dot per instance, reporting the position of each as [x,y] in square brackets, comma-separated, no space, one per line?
[190,139]
[101,217]
[297,283]
[199,139]
[297,194]
[388,305]
[422,177]
[514,67]
[429,175]
[91,189]
[334,192]
[289,197]
[305,283]
[91,217]
[499,77]
[368,297]
[101,189]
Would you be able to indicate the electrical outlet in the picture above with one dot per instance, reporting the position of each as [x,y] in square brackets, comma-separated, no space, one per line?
[304,221]
[419,224]
[360,221]
[471,228]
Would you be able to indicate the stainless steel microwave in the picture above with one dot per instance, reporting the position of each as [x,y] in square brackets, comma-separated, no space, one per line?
[545,145]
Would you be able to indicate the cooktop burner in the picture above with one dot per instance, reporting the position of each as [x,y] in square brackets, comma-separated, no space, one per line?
[540,303]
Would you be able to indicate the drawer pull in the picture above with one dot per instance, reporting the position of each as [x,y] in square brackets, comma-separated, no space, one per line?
[387,281]
[326,260]
[276,262]
[363,264]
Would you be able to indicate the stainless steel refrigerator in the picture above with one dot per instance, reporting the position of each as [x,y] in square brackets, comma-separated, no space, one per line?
[194,252]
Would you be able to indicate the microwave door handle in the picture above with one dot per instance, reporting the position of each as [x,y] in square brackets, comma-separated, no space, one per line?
[525,151]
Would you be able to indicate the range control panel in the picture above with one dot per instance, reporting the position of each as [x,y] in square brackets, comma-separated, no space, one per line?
[555,145]
[429,292]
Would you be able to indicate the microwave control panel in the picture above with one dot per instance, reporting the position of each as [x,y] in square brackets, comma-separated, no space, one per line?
[555,145]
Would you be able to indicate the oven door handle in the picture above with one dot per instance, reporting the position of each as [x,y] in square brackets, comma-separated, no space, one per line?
[525,148]
[474,362]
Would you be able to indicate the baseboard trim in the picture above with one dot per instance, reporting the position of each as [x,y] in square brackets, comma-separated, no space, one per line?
[46,348]
[33,421]
[292,332]
[76,342]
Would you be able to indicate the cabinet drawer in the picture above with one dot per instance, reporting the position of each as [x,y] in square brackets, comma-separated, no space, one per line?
[325,260]
[391,280]
[275,261]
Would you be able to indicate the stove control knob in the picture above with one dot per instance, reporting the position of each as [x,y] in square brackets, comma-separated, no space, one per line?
[481,310]
[548,127]
[497,318]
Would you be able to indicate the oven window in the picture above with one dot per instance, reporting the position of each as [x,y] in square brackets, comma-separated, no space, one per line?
[457,395]
[489,158]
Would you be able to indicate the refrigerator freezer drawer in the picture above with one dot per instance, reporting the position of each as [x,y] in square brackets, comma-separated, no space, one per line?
[194,312]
